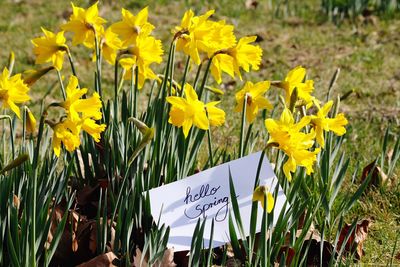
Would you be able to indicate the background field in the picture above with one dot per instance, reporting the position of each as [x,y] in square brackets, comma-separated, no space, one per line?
[366,49]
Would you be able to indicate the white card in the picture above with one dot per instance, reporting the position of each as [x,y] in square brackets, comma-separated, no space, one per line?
[206,195]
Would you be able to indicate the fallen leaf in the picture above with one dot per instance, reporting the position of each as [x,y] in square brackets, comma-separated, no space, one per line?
[251,4]
[355,242]
[138,261]
[181,258]
[75,244]
[104,260]
[378,177]
[232,262]
[93,237]
[168,258]
[16,201]
[287,253]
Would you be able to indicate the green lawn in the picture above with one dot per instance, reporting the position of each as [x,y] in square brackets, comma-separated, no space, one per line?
[368,55]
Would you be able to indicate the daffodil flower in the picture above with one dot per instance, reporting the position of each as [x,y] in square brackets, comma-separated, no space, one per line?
[50,48]
[30,121]
[189,111]
[323,123]
[197,34]
[262,192]
[81,115]
[242,56]
[131,26]
[145,52]
[294,79]
[76,107]
[85,24]
[13,91]
[287,135]
[67,133]
[256,100]
[110,44]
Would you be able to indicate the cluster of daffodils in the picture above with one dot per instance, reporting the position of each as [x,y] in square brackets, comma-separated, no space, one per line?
[128,43]
[203,39]
[81,114]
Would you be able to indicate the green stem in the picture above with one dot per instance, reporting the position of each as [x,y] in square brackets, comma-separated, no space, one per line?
[205,77]
[23,129]
[39,138]
[184,75]
[61,84]
[12,138]
[242,126]
[116,89]
[98,65]
[33,225]
[171,78]
[132,92]
[136,92]
[71,62]
[246,142]
[136,101]
[196,79]
[210,148]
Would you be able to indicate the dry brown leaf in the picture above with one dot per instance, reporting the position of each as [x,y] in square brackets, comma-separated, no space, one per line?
[168,258]
[288,253]
[93,237]
[378,177]
[251,4]
[74,242]
[16,201]
[356,239]
[232,262]
[104,260]
[74,219]
[55,220]
[137,259]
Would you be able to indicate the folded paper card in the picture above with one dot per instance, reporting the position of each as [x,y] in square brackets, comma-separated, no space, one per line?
[206,195]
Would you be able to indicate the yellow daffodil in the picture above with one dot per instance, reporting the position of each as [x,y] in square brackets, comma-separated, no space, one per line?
[216,116]
[219,37]
[131,26]
[323,123]
[13,91]
[30,121]
[191,31]
[110,44]
[287,136]
[92,128]
[67,133]
[74,105]
[189,111]
[244,55]
[146,51]
[81,115]
[84,24]
[262,192]
[50,48]
[197,34]
[294,79]
[222,63]
[255,99]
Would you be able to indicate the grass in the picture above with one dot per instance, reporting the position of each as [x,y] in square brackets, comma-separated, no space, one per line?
[365,53]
